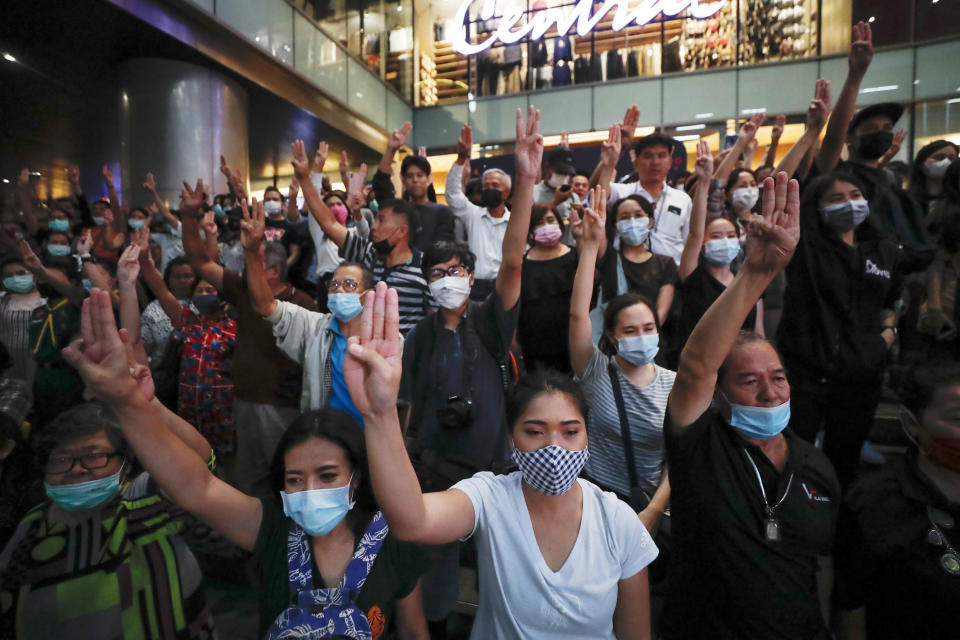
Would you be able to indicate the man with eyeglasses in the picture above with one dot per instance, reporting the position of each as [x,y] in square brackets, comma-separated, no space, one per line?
[106,555]
[388,252]
[457,363]
[316,341]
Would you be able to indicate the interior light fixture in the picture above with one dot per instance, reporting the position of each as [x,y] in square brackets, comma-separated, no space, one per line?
[692,127]
[9,57]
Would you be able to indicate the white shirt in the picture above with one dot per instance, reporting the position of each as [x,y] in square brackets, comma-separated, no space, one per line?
[484,232]
[671,216]
[520,596]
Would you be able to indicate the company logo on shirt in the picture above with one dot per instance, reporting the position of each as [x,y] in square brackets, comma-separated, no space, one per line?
[874,270]
[813,495]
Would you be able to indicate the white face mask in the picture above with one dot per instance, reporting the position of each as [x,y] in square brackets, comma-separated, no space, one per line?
[272,207]
[744,197]
[450,291]
[936,169]
[557,180]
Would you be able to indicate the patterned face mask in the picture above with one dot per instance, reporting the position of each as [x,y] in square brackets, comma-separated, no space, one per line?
[551,470]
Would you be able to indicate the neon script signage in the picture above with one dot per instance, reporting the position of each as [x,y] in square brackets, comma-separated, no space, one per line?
[542,20]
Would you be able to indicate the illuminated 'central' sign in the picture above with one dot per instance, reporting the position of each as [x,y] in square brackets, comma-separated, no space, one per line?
[542,20]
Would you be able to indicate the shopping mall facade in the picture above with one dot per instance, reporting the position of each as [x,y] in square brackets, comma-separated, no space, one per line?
[350,71]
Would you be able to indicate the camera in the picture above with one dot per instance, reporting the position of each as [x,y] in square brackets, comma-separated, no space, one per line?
[456,414]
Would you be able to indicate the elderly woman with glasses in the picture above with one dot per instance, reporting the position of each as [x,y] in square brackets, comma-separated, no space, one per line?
[104,556]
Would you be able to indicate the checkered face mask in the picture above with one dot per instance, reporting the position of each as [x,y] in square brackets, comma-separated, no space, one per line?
[551,470]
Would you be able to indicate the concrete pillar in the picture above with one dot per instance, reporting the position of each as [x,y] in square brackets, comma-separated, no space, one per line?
[176,119]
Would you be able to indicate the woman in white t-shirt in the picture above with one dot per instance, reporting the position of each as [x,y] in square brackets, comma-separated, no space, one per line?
[558,557]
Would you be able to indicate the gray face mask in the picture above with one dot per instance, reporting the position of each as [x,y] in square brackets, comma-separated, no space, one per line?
[844,216]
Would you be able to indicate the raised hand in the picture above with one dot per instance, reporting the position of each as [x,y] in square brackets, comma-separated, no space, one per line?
[399,137]
[373,364]
[564,140]
[209,224]
[320,157]
[610,150]
[861,50]
[748,130]
[777,130]
[772,237]
[820,106]
[422,152]
[356,180]
[898,137]
[344,163]
[128,268]
[225,168]
[107,175]
[300,161]
[84,244]
[465,143]
[704,165]
[629,126]
[595,216]
[252,225]
[30,259]
[529,148]
[73,174]
[191,200]
[104,356]
[576,224]
[150,184]
[294,188]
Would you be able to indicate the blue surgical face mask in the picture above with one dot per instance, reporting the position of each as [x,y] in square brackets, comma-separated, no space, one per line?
[633,231]
[59,225]
[639,350]
[83,496]
[135,223]
[318,511]
[374,206]
[721,252]
[19,284]
[761,423]
[58,249]
[847,215]
[218,211]
[344,306]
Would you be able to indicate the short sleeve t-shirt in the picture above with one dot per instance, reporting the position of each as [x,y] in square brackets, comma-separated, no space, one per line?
[644,278]
[520,596]
[393,576]
[645,408]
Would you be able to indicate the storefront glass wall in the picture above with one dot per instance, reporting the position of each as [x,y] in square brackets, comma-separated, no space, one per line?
[733,33]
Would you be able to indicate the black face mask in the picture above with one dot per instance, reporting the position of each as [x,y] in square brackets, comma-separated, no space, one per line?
[873,145]
[383,247]
[491,198]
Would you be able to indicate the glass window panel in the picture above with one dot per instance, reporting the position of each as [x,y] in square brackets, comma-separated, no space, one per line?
[564,110]
[495,120]
[700,97]
[319,59]
[937,19]
[366,95]
[439,126]
[937,71]
[763,87]
[269,23]
[889,19]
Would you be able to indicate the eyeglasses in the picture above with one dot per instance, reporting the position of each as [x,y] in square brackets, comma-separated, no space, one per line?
[89,461]
[456,271]
[348,285]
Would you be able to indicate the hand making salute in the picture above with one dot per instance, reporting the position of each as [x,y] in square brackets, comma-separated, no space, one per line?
[621,365]
[711,248]
[325,558]
[388,252]
[558,557]
[753,506]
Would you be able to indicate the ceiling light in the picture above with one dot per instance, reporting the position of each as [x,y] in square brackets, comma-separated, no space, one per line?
[692,127]
[701,116]
[686,138]
[750,112]
[886,87]
[872,19]
[9,57]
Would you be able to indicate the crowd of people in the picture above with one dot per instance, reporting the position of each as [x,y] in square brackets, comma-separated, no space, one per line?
[637,405]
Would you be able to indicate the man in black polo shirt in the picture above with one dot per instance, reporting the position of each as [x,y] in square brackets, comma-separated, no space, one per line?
[753,507]
[435,221]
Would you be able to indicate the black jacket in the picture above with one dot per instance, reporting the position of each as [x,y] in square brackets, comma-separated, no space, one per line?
[435,221]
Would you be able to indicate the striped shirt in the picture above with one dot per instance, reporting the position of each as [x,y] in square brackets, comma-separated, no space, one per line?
[413,292]
[645,406]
